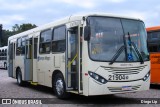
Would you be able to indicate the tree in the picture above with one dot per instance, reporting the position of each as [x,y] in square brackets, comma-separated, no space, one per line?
[21,28]
[28,26]
[15,30]
[5,36]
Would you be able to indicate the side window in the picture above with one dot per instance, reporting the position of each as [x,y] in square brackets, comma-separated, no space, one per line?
[45,41]
[5,52]
[35,47]
[18,49]
[23,45]
[58,39]
[154,47]
[153,41]
[29,48]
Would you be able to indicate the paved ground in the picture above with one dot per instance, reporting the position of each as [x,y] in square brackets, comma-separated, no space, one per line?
[9,89]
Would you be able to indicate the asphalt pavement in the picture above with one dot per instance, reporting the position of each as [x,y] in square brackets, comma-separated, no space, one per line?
[10,90]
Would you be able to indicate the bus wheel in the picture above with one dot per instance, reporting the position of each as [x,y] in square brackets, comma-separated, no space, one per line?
[59,86]
[19,78]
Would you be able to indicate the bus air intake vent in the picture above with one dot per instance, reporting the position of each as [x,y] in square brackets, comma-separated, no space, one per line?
[124,71]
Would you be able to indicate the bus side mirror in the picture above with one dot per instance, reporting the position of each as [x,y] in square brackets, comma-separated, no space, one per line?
[87,33]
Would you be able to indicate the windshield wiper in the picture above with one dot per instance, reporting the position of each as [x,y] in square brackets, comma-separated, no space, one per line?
[137,51]
[139,54]
[120,50]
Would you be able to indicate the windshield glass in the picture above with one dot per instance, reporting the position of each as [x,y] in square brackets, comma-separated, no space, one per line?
[109,34]
[135,31]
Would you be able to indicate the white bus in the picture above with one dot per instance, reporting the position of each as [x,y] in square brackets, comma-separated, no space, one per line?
[90,54]
[3,57]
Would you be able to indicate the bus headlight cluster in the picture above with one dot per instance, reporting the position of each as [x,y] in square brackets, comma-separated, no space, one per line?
[146,76]
[97,77]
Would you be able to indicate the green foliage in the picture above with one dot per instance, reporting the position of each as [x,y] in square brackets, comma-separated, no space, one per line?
[21,28]
[15,30]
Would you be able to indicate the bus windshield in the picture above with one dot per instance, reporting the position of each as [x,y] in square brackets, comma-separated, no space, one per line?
[108,35]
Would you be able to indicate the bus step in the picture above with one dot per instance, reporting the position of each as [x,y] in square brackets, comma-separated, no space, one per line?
[71,72]
[69,89]
[75,92]
[34,83]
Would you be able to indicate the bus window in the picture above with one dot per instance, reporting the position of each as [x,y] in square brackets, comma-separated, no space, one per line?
[2,52]
[29,49]
[23,42]
[58,42]
[154,41]
[35,47]
[5,52]
[18,49]
[154,48]
[45,41]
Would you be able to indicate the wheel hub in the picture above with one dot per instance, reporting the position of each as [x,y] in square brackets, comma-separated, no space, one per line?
[59,86]
[19,80]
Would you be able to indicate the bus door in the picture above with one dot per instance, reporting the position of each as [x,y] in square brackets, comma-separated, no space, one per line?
[11,61]
[34,54]
[28,61]
[73,74]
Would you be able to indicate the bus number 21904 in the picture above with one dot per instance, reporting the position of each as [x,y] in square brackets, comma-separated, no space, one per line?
[118,77]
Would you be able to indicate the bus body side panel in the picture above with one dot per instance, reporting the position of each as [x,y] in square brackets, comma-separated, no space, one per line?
[59,63]
[19,62]
[44,66]
[85,67]
[155,68]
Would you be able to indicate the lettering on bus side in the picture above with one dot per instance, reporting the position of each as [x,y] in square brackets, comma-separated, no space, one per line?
[156,59]
[43,58]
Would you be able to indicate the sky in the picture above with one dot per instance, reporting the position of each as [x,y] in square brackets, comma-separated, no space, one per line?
[40,12]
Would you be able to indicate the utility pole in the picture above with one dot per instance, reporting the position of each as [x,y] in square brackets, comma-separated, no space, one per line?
[1,35]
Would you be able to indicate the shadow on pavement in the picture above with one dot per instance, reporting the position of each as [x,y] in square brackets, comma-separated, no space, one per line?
[155,86]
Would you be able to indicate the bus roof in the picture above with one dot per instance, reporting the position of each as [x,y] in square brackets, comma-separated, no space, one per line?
[66,20]
[155,28]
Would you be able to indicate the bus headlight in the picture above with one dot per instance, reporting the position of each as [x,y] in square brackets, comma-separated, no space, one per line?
[146,76]
[97,77]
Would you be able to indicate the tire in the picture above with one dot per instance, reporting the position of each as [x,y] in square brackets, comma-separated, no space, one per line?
[20,82]
[59,87]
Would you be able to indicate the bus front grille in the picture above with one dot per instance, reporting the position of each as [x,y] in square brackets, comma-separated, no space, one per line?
[124,71]
[120,89]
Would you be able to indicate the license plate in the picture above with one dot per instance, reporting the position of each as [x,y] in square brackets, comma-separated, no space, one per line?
[126,88]
[117,77]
